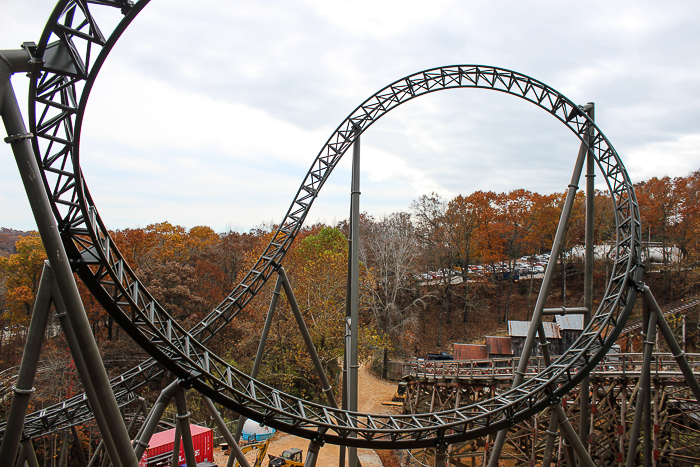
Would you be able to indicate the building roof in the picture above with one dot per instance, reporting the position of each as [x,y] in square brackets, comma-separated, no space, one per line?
[570,322]
[520,329]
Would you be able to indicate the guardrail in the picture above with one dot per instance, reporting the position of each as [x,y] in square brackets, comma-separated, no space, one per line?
[504,368]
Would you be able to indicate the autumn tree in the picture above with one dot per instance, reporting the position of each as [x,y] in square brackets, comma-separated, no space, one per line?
[8,238]
[688,231]
[431,230]
[547,210]
[670,217]
[466,215]
[463,215]
[317,269]
[19,282]
[438,257]
[659,209]
[182,268]
[389,248]
[21,273]
[513,226]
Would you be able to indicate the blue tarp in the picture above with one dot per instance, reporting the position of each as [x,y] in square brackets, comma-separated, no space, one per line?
[257,437]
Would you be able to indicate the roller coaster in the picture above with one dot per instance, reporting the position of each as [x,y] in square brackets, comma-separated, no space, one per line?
[63,67]
[614,393]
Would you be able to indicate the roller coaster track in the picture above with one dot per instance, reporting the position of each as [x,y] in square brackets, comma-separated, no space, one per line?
[503,369]
[74,46]
[614,392]
[635,324]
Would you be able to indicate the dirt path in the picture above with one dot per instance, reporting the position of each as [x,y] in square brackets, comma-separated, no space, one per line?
[372,392]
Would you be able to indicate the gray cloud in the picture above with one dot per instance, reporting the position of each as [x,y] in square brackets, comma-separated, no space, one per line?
[246,93]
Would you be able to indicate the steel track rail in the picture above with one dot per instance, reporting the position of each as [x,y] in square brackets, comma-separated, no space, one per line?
[74,48]
[667,310]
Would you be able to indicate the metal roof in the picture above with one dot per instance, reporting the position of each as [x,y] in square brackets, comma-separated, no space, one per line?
[570,322]
[520,328]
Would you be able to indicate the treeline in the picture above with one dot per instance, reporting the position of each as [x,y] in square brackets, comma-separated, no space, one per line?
[8,238]
[190,271]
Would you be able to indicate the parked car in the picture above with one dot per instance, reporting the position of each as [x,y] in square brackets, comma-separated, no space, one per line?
[440,356]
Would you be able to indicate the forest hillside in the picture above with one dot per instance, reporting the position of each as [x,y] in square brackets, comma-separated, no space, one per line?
[444,271]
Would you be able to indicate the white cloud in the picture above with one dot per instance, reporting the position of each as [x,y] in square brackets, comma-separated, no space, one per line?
[674,158]
[155,115]
[388,18]
[211,112]
[386,167]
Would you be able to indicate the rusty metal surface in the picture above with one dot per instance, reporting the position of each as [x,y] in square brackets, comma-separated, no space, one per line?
[570,322]
[499,345]
[470,351]
[520,328]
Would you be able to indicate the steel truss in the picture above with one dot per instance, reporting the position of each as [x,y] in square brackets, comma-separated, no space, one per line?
[68,58]
[615,390]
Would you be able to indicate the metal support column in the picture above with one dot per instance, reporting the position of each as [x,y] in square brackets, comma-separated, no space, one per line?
[310,347]
[644,387]
[19,139]
[64,450]
[644,403]
[673,345]
[572,437]
[551,437]
[21,457]
[312,454]
[237,454]
[154,416]
[78,446]
[24,387]
[81,367]
[354,298]
[175,459]
[568,451]
[183,421]
[588,275]
[346,348]
[142,408]
[657,400]
[623,420]
[441,454]
[543,294]
[261,347]
[96,454]
[30,454]
[647,424]
[106,462]
[458,398]
[573,444]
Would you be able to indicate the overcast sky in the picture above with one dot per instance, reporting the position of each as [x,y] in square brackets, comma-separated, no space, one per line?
[211,112]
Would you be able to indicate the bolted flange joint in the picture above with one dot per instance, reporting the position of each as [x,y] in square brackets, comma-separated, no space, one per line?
[25,392]
[15,138]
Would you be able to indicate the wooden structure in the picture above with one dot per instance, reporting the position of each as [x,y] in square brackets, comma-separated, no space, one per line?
[614,390]
[518,330]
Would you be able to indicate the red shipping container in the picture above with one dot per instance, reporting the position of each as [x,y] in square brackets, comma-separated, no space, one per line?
[160,448]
